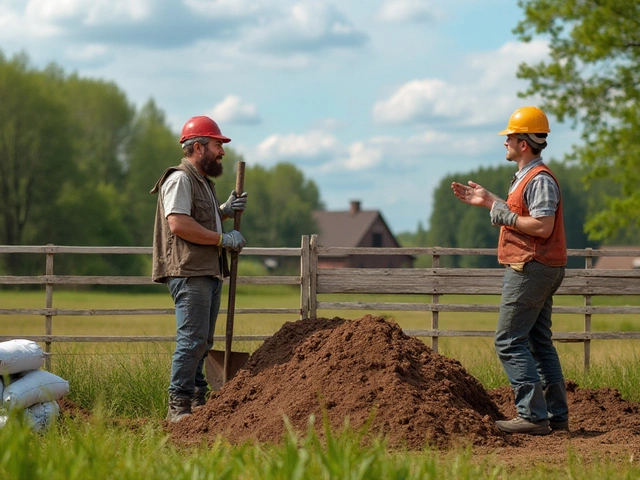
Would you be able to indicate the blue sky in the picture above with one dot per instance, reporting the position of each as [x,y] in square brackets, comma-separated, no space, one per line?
[374,100]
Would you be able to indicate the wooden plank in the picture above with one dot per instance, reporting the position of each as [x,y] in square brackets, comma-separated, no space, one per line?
[329,251]
[117,339]
[436,281]
[305,274]
[343,251]
[557,336]
[470,308]
[133,311]
[375,306]
[313,281]
[130,280]
[445,251]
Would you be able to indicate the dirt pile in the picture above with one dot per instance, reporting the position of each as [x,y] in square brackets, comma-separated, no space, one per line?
[361,370]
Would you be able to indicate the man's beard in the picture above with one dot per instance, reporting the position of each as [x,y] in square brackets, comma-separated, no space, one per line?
[210,165]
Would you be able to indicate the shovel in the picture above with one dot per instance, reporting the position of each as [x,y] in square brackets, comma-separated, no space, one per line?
[220,367]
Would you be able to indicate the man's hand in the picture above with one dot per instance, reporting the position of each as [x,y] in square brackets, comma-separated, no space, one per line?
[234,204]
[474,194]
[233,241]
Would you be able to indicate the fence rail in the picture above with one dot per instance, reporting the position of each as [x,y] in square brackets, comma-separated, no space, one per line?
[315,281]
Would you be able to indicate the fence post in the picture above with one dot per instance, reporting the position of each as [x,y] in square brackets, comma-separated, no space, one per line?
[48,322]
[435,314]
[304,278]
[313,277]
[588,264]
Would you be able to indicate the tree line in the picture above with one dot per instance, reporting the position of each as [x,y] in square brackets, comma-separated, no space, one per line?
[77,163]
[77,159]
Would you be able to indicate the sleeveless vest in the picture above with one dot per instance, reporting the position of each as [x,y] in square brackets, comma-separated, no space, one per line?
[175,257]
[516,247]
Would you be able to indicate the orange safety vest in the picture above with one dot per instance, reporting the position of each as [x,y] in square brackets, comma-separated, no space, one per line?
[517,247]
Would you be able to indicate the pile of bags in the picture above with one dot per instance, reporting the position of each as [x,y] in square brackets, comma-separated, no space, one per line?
[24,387]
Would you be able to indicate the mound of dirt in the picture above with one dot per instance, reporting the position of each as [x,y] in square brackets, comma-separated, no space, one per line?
[366,371]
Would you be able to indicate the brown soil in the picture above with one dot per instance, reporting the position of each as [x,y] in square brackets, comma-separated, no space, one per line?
[368,372]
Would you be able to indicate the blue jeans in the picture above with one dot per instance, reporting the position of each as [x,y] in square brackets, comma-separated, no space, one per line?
[523,342]
[197,301]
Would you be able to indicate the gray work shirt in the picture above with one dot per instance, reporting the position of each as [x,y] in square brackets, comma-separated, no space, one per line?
[542,195]
[176,196]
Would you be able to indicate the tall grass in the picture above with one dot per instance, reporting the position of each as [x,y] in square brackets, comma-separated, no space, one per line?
[130,380]
[133,384]
[75,449]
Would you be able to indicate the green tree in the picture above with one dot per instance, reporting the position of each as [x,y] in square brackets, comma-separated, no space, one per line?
[281,203]
[102,118]
[152,148]
[34,161]
[593,78]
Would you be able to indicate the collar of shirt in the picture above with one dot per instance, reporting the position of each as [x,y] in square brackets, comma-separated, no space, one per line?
[521,173]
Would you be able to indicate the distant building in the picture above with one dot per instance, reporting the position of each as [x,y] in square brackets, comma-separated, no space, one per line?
[357,228]
[618,263]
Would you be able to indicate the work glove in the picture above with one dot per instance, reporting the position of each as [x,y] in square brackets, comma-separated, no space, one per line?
[233,241]
[234,204]
[501,215]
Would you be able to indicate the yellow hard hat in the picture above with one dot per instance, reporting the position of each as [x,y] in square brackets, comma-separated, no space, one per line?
[527,120]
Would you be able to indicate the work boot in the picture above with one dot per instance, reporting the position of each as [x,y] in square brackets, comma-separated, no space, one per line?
[559,424]
[179,407]
[199,397]
[522,425]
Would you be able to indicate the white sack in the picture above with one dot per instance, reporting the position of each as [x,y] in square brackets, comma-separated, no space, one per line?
[38,386]
[41,415]
[20,356]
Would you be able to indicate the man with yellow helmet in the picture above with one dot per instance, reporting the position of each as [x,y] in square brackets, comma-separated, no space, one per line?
[533,248]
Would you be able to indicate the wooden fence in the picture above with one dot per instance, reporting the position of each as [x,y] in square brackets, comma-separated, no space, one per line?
[433,282]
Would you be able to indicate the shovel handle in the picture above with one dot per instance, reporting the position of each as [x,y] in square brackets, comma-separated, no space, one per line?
[233,278]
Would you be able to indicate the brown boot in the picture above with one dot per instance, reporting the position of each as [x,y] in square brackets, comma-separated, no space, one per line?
[179,407]
[199,397]
[522,425]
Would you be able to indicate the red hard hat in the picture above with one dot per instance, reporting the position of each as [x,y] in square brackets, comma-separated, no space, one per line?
[202,126]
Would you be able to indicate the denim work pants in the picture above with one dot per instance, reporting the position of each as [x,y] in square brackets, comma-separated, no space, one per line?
[523,342]
[197,301]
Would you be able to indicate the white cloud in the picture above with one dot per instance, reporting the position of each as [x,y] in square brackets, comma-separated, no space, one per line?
[363,156]
[311,147]
[416,101]
[401,11]
[90,12]
[89,53]
[229,8]
[481,93]
[306,26]
[234,110]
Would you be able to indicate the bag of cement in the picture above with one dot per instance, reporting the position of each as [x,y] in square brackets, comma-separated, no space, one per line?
[38,416]
[20,356]
[34,387]
[41,415]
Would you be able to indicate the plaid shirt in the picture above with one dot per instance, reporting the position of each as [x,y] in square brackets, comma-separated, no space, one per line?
[542,194]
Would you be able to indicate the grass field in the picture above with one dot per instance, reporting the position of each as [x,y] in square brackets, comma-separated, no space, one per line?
[128,380]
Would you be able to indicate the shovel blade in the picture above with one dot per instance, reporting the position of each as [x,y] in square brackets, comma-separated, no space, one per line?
[214,366]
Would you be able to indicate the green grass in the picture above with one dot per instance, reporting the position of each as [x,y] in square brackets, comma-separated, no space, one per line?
[75,449]
[130,380]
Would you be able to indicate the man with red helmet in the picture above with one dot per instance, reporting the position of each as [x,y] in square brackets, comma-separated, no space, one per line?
[532,246]
[188,255]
